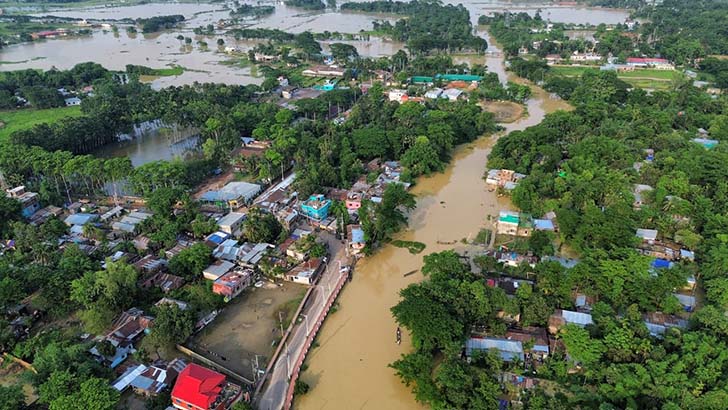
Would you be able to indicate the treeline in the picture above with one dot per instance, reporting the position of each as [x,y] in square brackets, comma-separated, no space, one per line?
[430,26]
[247,10]
[154,24]
[40,88]
[306,4]
[683,31]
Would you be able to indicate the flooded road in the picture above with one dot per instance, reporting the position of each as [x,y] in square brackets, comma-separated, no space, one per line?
[349,368]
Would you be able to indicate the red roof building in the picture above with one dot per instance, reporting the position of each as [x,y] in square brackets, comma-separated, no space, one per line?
[199,388]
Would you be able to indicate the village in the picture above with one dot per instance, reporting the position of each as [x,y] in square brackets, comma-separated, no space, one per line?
[261,284]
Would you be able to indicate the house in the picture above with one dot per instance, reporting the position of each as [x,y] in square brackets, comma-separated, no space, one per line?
[44,214]
[297,250]
[638,191]
[169,302]
[265,57]
[141,242]
[356,239]
[688,302]
[29,201]
[129,326]
[578,57]
[251,254]
[658,323]
[583,302]
[231,222]
[509,285]
[164,281]
[552,59]
[544,225]
[216,239]
[306,272]
[235,194]
[79,220]
[504,178]
[233,283]
[199,388]
[217,269]
[397,95]
[353,200]
[151,380]
[533,336]
[149,264]
[323,71]
[176,249]
[514,223]
[112,213]
[72,101]
[434,93]
[656,63]
[562,318]
[706,143]
[130,223]
[647,235]
[316,207]
[288,91]
[453,94]
[514,259]
[229,250]
[508,350]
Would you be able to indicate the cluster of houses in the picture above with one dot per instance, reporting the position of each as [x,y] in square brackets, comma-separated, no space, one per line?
[455,88]
[631,64]
[503,178]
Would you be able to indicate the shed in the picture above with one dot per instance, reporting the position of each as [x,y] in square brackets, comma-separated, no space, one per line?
[217,269]
[509,350]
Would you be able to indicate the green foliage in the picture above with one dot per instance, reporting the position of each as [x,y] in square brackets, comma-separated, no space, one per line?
[94,393]
[103,294]
[413,247]
[261,226]
[11,398]
[301,388]
[190,262]
[172,325]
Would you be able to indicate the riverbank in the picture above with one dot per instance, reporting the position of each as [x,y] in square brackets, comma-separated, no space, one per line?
[350,367]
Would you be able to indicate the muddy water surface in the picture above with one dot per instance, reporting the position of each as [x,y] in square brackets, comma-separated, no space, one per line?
[349,369]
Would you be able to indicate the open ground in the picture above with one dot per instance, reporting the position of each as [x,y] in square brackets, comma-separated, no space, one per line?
[248,327]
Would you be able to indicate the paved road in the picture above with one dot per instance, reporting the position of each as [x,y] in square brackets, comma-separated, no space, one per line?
[274,395]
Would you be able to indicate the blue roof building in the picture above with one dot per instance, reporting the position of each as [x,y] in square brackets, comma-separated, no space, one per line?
[316,207]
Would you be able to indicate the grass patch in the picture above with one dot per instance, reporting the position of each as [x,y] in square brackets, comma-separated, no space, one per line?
[413,247]
[644,78]
[483,237]
[287,310]
[171,71]
[23,119]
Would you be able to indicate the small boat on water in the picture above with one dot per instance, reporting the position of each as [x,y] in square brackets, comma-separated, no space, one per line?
[399,335]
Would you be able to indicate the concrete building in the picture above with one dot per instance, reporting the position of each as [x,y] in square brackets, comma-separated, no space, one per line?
[217,269]
[231,222]
[233,283]
[29,201]
[316,207]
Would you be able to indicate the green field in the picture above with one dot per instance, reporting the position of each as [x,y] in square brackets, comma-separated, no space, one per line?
[22,119]
[647,78]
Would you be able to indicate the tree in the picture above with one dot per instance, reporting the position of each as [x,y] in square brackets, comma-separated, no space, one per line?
[190,262]
[103,294]
[58,385]
[261,227]
[422,158]
[301,388]
[11,398]
[9,212]
[172,325]
[202,226]
[94,393]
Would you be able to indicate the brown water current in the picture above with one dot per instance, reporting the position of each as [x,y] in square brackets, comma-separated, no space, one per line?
[349,368]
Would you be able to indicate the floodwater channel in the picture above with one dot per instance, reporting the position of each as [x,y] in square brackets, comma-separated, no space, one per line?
[349,368]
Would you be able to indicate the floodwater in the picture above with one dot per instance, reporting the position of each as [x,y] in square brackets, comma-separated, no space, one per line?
[349,368]
[159,50]
[154,145]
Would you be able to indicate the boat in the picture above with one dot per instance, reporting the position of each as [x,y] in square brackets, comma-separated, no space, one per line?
[399,335]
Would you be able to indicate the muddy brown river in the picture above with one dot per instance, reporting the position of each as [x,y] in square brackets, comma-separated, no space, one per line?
[349,368]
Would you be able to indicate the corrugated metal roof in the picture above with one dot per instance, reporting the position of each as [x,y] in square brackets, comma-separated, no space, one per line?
[577,318]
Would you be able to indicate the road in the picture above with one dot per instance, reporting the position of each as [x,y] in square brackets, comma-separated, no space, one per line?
[274,395]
